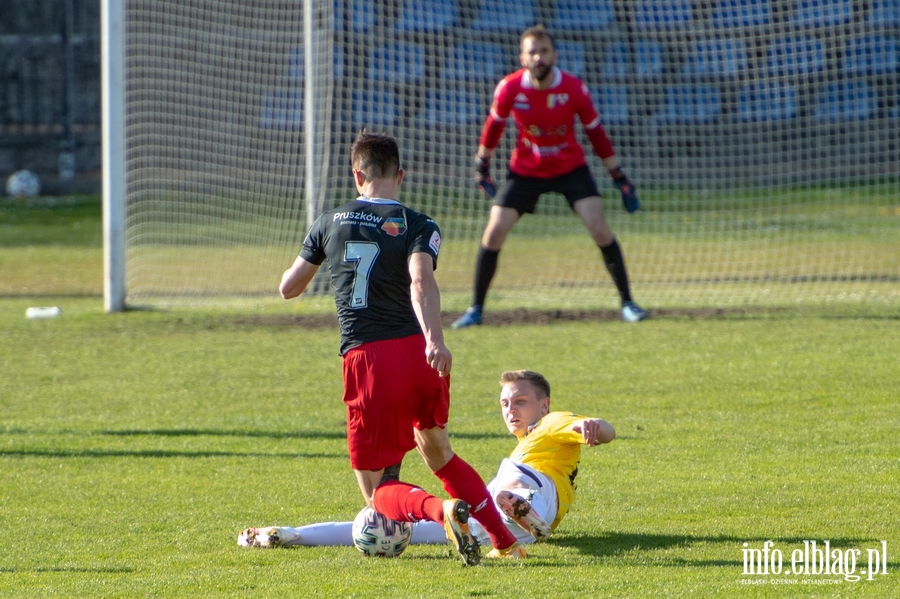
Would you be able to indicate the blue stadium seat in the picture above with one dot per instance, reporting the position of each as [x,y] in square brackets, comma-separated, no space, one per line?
[767,101]
[716,58]
[799,55]
[397,62]
[571,58]
[689,105]
[662,14]
[502,15]
[616,63]
[649,59]
[475,61]
[731,14]
[845,101]
[282,109]
[454,105]
[612,104]
[354,15]
[582,15]
[871,55]
[821,13]
[427,16]
[373,107]
[884,13]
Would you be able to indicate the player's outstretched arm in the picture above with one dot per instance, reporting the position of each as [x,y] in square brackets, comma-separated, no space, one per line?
[426,301]
[595,431]
[296,278]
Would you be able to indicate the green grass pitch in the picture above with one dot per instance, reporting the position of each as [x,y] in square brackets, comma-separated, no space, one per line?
[134,447]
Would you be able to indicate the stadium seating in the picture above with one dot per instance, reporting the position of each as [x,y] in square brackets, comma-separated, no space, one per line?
[475,61]
[649,59]
[612,104]
[376,107]
[396,62]
[845,101]
[571,58]
[716,58]
[821,13]
[453,105]
[662,14]
[582,15]
[884,13]
[354,15]
[685,104]
[427,16]
[616,63]
[767,101]
[797,55]
[871,55]
[730,14]
[495,15]
[282,109]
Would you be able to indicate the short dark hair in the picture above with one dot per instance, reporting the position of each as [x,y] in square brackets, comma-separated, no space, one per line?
[537,380]
[538,32]
[375,155]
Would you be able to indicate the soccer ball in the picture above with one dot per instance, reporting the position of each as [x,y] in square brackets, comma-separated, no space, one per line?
[23,184]
[377,536]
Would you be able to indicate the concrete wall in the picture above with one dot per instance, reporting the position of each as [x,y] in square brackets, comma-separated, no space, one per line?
[50,90]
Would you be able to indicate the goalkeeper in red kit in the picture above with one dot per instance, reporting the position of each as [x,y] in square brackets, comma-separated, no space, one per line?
[544,101]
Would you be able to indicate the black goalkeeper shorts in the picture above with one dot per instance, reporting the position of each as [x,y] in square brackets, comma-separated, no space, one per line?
[522,193]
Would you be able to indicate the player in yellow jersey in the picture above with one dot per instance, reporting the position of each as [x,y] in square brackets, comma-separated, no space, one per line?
[534,487]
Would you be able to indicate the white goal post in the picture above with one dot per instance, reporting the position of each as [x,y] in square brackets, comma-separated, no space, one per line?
[762,136]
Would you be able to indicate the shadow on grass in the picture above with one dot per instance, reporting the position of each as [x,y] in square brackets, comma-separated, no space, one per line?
[197,432]
[156,453]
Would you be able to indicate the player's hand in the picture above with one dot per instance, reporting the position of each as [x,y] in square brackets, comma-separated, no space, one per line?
[629,194]
[483,176]
[591,430]
[439,358]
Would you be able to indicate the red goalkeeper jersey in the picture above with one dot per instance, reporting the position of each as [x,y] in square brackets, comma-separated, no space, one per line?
[546,146]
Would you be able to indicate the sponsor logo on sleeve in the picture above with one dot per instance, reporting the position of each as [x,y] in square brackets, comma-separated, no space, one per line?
[435,242]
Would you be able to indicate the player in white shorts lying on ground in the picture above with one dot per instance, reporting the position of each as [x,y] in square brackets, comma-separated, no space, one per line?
[534,487]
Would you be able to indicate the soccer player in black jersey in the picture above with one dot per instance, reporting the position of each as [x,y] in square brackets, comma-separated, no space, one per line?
[382,256]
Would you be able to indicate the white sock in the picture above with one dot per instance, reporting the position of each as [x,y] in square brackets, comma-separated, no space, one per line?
[340,534]
[323,534]
[427,532]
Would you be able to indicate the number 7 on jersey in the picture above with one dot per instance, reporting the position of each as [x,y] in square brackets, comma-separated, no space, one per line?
[362,254]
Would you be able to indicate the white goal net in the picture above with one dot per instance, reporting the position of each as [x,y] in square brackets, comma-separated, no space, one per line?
[762,136]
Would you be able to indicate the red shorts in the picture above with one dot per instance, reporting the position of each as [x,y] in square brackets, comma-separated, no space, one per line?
[389,388]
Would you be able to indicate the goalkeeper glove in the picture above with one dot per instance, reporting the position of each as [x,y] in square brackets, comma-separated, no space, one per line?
[626,187]
[483,176]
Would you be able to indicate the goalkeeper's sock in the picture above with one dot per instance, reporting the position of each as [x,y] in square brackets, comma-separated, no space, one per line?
[461,481]
[485,269]
[615,264]
[404,502]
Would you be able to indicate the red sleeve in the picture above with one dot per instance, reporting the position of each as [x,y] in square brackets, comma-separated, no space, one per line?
[591,120]
[491,132]
[496,120]
[600,141]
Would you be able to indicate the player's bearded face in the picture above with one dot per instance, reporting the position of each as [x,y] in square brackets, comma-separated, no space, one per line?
[539,57]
